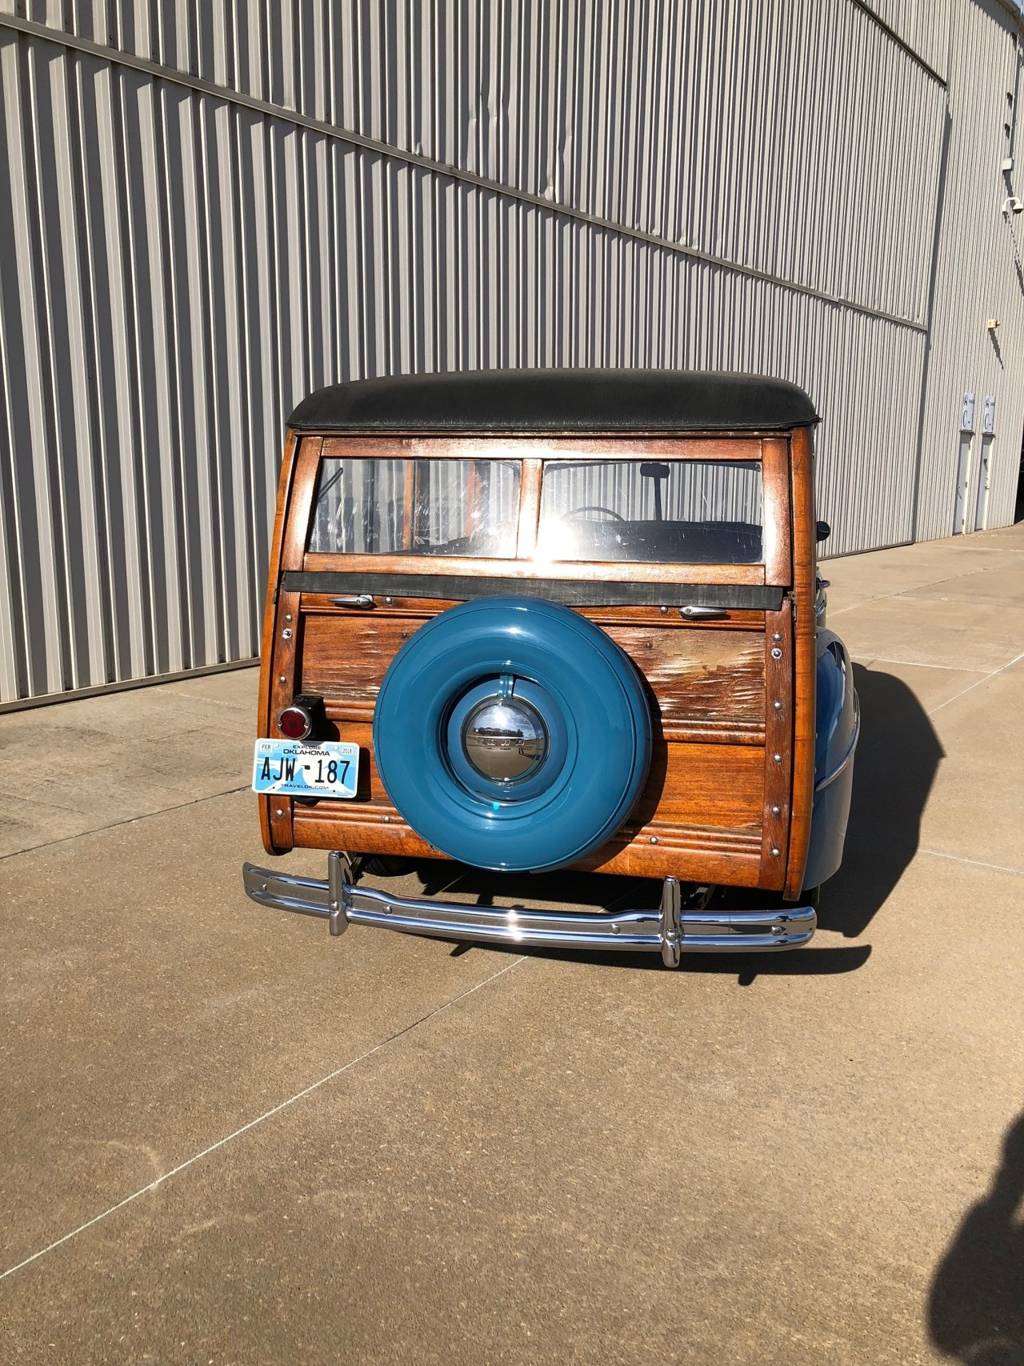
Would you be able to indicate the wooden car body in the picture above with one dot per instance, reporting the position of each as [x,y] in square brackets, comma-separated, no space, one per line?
[731,652]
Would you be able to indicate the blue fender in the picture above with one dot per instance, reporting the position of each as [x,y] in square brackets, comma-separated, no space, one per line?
[595,713]
[837,728]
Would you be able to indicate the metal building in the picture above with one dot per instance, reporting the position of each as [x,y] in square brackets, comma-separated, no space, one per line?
[209,207]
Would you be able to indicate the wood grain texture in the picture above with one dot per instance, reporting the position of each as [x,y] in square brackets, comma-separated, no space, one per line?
[694,854]
[709,679]
[720,446]
[708,812]
[775,531]
[778,756]
[804,677]
[284,485]
[609,571]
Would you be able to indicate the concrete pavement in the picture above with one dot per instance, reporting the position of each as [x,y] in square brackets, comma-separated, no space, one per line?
[227,1138]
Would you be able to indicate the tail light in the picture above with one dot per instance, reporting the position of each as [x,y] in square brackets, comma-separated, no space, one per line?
[303,718]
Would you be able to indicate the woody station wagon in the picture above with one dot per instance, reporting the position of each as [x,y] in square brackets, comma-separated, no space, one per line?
[556,619]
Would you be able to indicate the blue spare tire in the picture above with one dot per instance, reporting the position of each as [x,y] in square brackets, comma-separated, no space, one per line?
[512,734]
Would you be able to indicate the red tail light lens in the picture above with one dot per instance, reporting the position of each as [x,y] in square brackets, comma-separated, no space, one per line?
[295,722]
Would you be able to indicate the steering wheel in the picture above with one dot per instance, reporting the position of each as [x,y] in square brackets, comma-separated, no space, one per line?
[593,507]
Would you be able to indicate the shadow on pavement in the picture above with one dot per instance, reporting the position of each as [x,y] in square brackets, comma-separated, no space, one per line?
[897,759]
[976,1305]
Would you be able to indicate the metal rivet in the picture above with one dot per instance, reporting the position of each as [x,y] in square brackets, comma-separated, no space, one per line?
[777,758]
[776,810]
[286,634]
[287,616]
[662,608]
[282,678]
[775,853]
[614,929]
[389,601]
[654,839]
[776,652]
[777,705]
[776,635]
[387,820]
[263,886]
[279,811]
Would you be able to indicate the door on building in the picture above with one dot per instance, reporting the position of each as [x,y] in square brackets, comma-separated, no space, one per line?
[984,479]
[963,483]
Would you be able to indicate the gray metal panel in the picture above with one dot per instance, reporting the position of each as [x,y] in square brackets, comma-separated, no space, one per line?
[979,273]
[924,25]
[802,113]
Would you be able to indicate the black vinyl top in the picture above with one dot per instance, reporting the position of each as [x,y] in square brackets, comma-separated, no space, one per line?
[557,401]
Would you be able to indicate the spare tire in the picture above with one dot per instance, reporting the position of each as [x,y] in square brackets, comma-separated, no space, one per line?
[512,734]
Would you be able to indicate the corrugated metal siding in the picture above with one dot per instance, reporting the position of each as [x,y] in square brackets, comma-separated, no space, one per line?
[979,272]
[179,268]
[922,24]
[803,113]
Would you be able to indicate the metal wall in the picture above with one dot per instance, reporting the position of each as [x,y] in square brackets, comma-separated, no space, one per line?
[978,276]
[301,194]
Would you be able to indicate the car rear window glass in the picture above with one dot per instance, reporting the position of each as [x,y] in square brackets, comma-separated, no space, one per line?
[371,506]
[660,511]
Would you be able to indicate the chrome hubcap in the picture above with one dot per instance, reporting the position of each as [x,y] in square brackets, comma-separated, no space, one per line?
[505,739]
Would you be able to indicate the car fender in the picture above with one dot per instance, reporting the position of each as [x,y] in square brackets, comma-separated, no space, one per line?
[837,729]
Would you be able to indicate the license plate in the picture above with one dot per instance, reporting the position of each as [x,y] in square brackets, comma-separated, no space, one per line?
[290,768]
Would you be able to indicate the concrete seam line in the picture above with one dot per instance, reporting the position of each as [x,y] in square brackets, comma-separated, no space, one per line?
[920,664]
[204,87]
[973,862]
[128,820]
[904,592]
[971,686]
[260,1119]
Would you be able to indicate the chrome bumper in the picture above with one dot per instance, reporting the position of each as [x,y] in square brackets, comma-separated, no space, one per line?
[669,929]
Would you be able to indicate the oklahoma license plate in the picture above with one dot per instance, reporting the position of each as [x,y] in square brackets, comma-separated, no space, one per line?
[290,768]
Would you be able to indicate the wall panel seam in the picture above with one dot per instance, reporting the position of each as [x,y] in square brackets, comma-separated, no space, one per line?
[385,149]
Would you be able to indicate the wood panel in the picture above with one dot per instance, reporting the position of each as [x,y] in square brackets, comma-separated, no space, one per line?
[804,675]
[282,626]
[712,790]
[709,679]
[604,571]
[284,487]
[346,657]
[775,532]
[696,854]
[710,786]
[715,678]
[720,446]
[778,753]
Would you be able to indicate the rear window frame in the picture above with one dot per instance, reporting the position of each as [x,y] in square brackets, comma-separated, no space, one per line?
[771,450]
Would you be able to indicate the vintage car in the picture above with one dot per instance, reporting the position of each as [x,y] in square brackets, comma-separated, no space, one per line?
[555,619]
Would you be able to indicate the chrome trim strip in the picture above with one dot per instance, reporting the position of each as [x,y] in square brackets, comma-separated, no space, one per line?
[666,929]
[847,758]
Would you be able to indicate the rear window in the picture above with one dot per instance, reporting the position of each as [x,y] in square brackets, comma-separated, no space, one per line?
[672,511]
[368,506]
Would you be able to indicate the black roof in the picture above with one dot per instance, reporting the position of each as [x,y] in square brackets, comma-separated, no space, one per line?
[557,401]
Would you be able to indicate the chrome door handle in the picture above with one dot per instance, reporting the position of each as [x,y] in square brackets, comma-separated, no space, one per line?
[694,612]
[354,600]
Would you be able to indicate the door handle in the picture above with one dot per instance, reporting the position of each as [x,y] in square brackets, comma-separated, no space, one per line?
[363,600]
[694,612]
